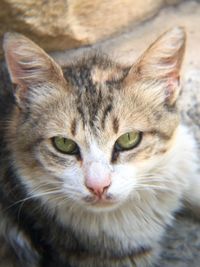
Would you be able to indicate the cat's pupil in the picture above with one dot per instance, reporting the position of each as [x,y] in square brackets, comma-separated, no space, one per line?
[65,145]
[128,141]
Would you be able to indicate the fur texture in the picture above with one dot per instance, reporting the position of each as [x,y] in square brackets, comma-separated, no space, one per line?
[52,216]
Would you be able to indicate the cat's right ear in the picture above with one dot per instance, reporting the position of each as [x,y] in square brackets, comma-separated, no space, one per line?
[28,64]
[162,62]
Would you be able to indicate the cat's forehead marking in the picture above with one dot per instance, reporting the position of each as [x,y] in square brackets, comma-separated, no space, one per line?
[94,81]
[108,74]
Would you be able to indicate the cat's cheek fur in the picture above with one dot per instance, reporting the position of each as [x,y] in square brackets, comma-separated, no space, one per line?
[124,180]
[74,184]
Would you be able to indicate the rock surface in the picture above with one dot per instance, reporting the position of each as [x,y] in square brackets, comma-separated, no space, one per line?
[62,24]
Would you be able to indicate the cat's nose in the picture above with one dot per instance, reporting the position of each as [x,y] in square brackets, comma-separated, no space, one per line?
[98,188]
[97,178]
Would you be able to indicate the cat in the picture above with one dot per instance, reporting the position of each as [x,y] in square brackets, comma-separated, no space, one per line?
[95,160]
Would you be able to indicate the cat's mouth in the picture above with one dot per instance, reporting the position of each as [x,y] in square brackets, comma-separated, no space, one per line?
[104,201]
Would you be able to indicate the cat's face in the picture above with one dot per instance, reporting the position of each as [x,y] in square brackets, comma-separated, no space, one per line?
[94,133]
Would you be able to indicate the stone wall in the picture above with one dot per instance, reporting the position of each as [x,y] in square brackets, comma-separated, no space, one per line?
[63,24]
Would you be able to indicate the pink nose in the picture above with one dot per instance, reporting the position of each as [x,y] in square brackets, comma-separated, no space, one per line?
[97,178]
[98,188]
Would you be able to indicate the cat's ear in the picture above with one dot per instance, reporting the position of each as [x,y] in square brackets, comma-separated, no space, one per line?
[162,62]
[28,64]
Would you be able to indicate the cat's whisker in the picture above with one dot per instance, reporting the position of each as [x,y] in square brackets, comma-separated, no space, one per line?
[38,189]
[33,197]
[157,182]
[72,189]
[45,185]
[61,188]
[158,179]
[63,201]
[154,187]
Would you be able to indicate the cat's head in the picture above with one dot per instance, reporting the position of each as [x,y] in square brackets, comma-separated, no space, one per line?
[95,133]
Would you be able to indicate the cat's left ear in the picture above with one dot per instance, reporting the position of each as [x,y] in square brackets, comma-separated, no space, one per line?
[28,64]
[162,62]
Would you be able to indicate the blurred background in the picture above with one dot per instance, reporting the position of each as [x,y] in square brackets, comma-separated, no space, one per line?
[117,25]
[123,28]
[64,24]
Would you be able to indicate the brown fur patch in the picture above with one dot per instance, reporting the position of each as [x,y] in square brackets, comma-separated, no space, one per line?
[99,75]
[73,127]
[115,125]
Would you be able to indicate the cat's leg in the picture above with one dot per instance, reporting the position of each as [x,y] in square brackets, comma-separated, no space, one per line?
[15,247]
[7,257]
[10,258]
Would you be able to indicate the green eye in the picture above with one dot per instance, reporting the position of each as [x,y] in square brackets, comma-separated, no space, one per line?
[65,145]
[128,141]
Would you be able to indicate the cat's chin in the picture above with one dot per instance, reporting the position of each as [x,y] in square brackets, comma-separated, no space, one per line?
[102,207]
[99,205]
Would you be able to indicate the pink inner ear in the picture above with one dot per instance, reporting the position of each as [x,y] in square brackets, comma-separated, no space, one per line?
[172,86]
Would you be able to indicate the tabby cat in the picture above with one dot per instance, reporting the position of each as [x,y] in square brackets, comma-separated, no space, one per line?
[94,159]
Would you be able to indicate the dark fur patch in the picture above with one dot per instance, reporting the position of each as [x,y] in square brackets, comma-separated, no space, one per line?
[115,125]
[81,112]
[73,127]
[105,114]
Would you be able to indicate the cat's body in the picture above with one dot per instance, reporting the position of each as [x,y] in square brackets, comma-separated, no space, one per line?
[98,206]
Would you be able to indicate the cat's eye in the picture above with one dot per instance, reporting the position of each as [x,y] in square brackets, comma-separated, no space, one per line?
[128,141]
[65,145]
